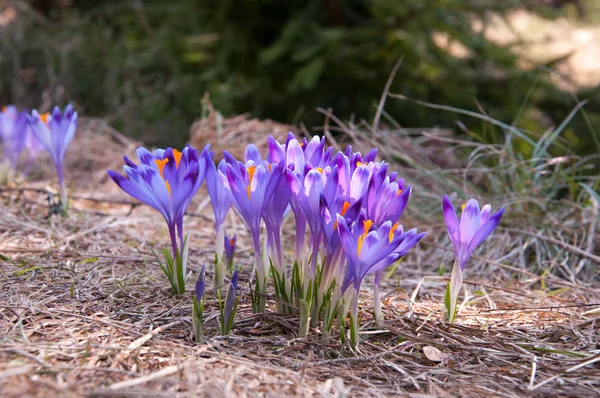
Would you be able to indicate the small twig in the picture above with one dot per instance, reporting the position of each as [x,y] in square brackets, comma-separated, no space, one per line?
[384,95]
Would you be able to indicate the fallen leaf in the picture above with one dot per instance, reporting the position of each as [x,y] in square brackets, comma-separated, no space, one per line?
[434,355]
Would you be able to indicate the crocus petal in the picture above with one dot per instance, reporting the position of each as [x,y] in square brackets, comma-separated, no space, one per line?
[295,156]
[451,221]
[469,221]
[252,153]
[133,189]
[485,213]
[276,150]
[346,237]
[369,157]
[41,131]
[485,230]
[145,156]
[359,182]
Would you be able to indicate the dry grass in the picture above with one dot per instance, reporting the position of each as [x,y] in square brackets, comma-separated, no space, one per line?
[86,311]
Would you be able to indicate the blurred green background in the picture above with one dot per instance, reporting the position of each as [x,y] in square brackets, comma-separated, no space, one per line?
[146,65]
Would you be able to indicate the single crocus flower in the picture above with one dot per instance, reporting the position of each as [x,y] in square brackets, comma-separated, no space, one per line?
[220,197]
[198,306]
[230,250]
[252,185]
[474,227]
[274,213]
[370,248]
[13,126]
[221,200]
[231,303]
[55,132]
[166,180]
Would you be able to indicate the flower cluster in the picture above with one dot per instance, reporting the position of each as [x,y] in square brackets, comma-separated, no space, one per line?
[347,209]
[348,203]
[52,132]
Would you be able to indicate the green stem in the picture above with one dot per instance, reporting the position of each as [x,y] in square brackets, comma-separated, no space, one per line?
[454,287]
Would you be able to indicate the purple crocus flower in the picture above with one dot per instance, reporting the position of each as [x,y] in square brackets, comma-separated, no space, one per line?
[230,250]
[55,132]
[275,211]
[220,198]
[252,185]
[13,125]
[370,248]
[474,227]
[166,180]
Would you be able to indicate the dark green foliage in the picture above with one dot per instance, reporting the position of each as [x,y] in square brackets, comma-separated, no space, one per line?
[146,64]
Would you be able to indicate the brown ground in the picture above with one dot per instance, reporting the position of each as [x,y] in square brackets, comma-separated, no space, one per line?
[86,311]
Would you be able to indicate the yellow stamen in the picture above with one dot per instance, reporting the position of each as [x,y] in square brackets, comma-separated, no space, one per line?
[399,192]
[161,165]
[301,143]
[251,171]
[177,156]
[359,164]
[319,169]
[168,187]
[394,228]
[463,206]
[367,225]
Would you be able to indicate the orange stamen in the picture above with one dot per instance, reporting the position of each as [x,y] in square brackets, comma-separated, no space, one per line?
[161,165]
[3,108]
[367,225]
[345,208]
[251,171]
[394,228]
[232,241]
[177,156]
[399,192]
[360,243]
[270,167]
[168,187]
[44,117]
